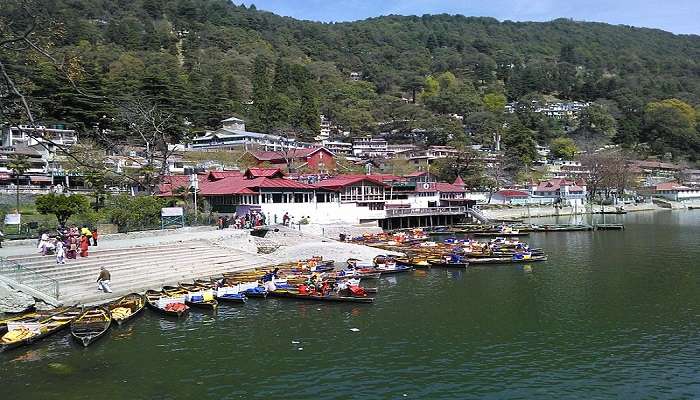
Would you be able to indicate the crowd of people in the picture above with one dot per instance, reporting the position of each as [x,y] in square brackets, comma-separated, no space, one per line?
[248,220]
[68,243]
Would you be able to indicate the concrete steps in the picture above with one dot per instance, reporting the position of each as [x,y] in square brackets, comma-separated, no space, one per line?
[53,270]
[98,254]
[87,292]
[137,269]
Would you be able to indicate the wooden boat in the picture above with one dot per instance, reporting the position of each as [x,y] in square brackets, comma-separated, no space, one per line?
[294,294]
[442,263]
[37,329]
[152,297]
[501,254]
[258,293]
[239,298]
[32,316]
[397,269]
[126,308]
[203,304]
[91,325]
[614,212]
[506,260]
[364,273]
[500,234]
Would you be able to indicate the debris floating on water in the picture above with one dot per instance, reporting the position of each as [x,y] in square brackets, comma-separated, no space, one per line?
[295,342]
[300,348]
[354,329]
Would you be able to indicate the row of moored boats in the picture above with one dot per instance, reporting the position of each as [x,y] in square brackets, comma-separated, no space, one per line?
[315,279]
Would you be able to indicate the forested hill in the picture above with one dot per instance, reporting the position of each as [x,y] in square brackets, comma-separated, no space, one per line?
[197,58]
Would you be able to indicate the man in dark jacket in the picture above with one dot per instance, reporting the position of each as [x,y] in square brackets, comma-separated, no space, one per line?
[103,280]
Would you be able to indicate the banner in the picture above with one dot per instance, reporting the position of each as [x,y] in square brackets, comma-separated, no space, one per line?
[170,212]
[13,219]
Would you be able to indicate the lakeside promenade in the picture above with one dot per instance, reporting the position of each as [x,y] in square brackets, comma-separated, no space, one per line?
[144,260]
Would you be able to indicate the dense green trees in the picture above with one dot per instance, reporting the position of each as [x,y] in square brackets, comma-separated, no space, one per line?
[205,60]
[563,147]
[519,146]
[671,125]
[63,207]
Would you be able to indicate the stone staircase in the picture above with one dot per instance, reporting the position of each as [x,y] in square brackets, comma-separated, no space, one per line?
[136,269]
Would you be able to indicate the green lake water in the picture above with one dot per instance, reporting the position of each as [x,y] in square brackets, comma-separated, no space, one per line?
[610,315]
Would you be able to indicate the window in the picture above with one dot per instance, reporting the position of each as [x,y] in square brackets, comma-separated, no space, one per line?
[299,198]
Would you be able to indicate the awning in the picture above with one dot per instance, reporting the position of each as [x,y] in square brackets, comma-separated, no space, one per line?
[41,179]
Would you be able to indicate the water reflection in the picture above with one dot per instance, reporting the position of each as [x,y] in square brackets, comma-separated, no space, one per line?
[610,315]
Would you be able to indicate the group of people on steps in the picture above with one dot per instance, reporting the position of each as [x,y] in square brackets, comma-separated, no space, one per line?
[68,243]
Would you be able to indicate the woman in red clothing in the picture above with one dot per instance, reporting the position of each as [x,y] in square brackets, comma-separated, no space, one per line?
[84,243]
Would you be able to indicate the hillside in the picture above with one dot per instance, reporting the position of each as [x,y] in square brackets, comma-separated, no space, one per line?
[197,59]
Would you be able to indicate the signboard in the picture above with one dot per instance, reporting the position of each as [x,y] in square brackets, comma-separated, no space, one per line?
[171,212]
[13,219]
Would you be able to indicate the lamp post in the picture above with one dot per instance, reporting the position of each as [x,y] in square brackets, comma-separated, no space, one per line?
[194,185]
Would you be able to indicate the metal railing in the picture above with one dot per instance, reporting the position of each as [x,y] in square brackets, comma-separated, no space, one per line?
[478,215]
[27,277]
[401,212]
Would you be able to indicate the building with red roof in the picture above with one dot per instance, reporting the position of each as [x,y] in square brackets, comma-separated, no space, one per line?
[510,196]
[342,198]
[559,191]
[318,159]
[674,191]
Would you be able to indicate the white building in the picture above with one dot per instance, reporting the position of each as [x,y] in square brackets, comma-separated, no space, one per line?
[676,192]
[338,148]
[370,147]
[31,136]
[559,191]
[233,135]
[346,199]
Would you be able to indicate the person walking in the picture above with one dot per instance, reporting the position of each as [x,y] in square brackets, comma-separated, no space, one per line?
[84,244]
[104,280]
[60,252]
[94,237]
[285,219]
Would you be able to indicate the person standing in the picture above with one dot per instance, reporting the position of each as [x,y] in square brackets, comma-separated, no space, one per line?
[268,280]
[72,243]
[60,252]
[94,237]
[84,244]
[86,232]
[104,280]
[285,219]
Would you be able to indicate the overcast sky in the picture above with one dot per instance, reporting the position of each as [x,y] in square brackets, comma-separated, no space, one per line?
[678,16]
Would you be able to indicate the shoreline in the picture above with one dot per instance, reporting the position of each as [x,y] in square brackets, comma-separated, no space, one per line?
[537,212]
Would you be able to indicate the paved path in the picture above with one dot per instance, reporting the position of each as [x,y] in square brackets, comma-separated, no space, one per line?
[146,238]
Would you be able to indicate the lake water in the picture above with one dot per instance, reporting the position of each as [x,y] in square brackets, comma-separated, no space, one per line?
[610,315]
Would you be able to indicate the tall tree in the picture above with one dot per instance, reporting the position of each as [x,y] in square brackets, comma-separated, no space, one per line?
[519,147]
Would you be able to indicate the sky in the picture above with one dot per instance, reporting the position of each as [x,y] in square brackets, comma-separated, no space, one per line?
[677,16]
